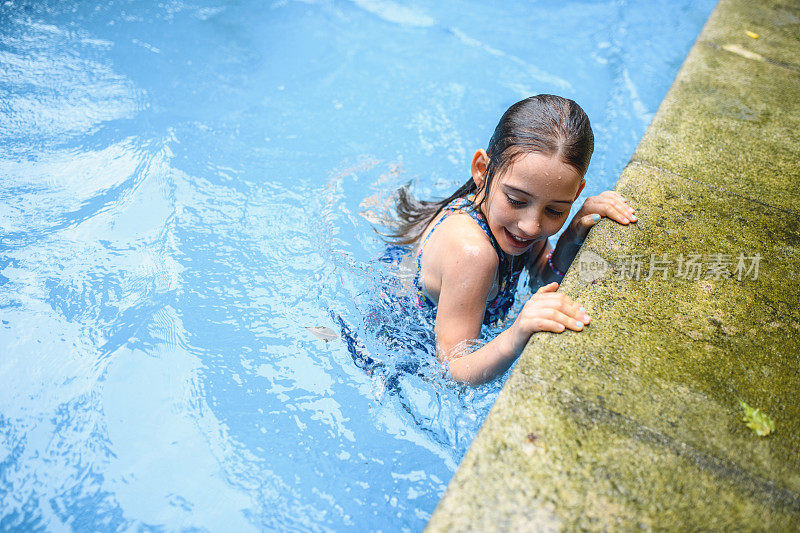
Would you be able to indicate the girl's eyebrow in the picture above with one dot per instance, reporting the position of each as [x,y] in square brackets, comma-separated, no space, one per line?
[533,196]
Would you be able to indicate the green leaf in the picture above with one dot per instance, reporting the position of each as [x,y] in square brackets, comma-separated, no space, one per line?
[757,420]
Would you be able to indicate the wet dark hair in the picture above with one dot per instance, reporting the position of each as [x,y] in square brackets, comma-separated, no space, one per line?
[544,124]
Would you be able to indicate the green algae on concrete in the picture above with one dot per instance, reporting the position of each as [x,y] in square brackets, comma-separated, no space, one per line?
[732,122]
[636,422]
[776,23]
[731,119]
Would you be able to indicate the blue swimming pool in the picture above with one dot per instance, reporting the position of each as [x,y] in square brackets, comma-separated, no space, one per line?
[187,186]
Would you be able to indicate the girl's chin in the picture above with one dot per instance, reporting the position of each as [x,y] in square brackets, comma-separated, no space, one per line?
[516,251]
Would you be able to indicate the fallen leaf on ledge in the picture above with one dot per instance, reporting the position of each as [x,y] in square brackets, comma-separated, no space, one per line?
[760,422]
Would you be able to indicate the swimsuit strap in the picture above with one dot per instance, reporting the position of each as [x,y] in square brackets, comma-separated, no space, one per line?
[506,272]
[505,265]
[458,204]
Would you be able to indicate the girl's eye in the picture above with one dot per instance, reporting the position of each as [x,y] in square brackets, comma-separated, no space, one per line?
[553,213]
[515,203]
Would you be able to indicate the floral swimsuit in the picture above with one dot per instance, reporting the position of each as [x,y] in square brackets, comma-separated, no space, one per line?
[508,275]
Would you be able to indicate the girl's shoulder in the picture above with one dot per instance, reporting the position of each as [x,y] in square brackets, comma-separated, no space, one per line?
[458,255]
[460,227]
[459,239]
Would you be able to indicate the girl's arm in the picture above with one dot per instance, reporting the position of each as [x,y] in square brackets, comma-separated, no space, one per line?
[467,277]
[541,273]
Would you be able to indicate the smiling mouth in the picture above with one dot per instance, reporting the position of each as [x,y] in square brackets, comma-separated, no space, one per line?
[517,242]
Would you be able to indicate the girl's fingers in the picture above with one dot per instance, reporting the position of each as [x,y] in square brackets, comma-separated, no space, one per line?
[610,201]
[573,311]
[622,205]
[621,214]
[549,288]
[555,305]
[588,221]
[543,324]
[569,321]
[557,324]
[618,196]
[613,195]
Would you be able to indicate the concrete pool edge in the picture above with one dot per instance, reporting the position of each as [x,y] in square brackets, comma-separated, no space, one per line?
[636,422]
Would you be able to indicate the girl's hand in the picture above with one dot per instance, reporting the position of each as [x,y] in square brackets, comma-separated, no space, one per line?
[547,310]
[609,204]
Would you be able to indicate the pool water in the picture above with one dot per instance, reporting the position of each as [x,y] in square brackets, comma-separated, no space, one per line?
[187,187]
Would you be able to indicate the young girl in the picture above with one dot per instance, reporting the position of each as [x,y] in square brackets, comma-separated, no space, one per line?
[471,247]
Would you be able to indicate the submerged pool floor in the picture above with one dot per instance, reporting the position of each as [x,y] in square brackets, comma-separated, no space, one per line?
[187,187]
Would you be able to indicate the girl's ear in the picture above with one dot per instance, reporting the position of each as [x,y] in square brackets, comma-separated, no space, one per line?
[480,162]
[580,188]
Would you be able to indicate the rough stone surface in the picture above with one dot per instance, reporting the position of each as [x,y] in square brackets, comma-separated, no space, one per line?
[635,422]
[732,121]
[775,23]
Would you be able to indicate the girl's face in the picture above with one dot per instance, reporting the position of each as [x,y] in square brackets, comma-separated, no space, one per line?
[530,201]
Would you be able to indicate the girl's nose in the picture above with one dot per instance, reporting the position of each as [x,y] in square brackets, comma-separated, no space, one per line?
[530,226]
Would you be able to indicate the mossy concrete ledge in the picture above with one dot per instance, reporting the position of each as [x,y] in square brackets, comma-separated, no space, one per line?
[636,421]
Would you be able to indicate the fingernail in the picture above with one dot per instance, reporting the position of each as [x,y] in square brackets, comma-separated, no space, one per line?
[625,220]
[582,310]
[634,217]
[596,217]
[586,318]
[578,324]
